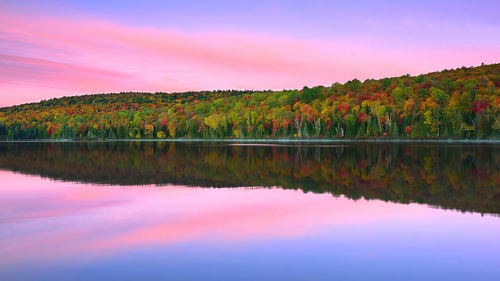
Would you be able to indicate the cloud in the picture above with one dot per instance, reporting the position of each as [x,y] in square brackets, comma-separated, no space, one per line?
[47,73]
[53,56]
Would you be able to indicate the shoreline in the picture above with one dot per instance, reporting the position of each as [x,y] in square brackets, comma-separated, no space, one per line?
[257,141]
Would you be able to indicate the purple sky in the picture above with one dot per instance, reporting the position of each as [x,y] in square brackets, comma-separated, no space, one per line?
[55,48]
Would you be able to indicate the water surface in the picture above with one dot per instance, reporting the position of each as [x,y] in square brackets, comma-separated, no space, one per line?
[211,211]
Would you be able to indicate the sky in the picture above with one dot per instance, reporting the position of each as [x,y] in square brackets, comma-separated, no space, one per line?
[58,48]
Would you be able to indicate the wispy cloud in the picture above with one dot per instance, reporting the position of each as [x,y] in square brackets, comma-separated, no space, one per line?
[46,56]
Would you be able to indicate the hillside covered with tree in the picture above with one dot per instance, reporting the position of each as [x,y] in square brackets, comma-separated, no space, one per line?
[459,103]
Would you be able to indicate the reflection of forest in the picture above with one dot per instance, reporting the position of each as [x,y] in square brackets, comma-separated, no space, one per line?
[465,178]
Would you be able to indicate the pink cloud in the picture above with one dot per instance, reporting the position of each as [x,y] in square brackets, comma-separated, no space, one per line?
[56,56]
[49,73]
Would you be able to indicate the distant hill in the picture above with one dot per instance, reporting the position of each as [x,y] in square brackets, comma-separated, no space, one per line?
[459,103]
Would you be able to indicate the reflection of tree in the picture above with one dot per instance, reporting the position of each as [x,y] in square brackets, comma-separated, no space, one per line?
[466,178]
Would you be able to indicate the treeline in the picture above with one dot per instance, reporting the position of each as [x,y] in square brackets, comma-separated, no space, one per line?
[460,103]
[465,178]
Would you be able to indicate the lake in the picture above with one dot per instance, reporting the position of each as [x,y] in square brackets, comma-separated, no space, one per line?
[237,211]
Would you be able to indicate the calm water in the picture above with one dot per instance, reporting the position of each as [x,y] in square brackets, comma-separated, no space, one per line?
[173,211]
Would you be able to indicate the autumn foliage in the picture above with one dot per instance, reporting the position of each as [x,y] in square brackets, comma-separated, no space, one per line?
[459,103]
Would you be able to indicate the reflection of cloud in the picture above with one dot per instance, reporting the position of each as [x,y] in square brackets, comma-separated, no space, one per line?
[33,210]
[42,219]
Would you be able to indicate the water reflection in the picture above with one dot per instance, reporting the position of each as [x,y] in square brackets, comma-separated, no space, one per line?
[57,220]
[466,178]
[142,211]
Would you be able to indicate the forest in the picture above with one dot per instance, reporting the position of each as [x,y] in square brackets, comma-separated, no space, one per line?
[462,103]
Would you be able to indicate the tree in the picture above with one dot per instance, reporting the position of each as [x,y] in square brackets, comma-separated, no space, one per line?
[309,95]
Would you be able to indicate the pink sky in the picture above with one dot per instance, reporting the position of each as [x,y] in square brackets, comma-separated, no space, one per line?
[45,55]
